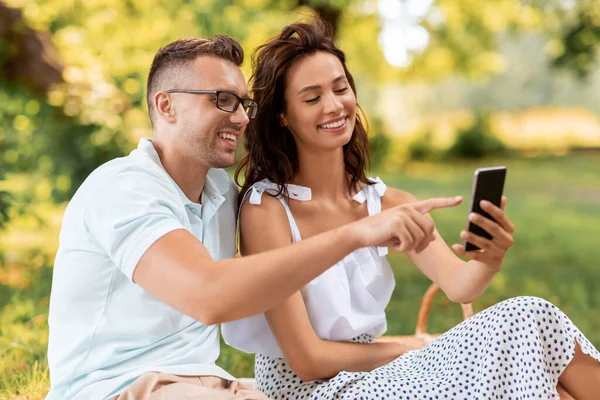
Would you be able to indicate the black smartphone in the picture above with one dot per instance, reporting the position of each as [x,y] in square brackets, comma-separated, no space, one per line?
[488,184]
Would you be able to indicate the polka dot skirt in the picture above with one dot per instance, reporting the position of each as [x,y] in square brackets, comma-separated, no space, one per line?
[516,349]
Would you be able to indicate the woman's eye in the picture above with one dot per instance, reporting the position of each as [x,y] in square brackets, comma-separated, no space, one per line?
[342,90]
[312,100]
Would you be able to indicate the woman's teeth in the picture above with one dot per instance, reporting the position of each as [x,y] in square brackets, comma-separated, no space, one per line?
[229,136]
[333,125]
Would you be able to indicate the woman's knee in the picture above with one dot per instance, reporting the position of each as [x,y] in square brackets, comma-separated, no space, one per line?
[524,303]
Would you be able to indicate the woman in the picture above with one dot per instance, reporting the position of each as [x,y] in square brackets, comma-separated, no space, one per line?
[308,151]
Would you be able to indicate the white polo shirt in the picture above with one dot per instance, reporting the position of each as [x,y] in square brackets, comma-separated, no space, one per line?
[105,330]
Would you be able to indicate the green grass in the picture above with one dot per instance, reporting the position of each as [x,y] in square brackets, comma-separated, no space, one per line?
[554,203]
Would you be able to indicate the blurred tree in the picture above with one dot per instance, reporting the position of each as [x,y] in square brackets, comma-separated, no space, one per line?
[37,137]
[98,111]
[421,148]
[27,56]
[477,141]
[379,143]
[578,36]
[330,11]
[464,35]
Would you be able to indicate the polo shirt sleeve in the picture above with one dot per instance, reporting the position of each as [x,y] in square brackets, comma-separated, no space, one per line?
[128,213]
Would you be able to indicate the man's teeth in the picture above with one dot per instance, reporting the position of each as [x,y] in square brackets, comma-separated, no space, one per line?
[332,125]
[229,136]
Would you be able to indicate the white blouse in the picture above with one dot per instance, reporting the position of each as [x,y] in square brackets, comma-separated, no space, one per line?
[346,301]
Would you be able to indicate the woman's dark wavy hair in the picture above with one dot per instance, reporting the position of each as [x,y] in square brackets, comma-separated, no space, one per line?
[271,150]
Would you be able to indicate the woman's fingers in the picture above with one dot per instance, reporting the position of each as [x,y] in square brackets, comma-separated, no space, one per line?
[471,255]
[481,242]
[405,235]
[501,237]
[416,233]
[408,236]
[428,228]
[427,205]
[497,214]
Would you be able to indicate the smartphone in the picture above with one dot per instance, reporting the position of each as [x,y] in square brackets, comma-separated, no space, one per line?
[488,184]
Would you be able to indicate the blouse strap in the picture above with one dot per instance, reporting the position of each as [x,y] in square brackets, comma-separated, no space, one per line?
[256,191]
[296,192]
[372,195]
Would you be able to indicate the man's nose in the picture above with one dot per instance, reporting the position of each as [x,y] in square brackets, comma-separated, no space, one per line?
[240,117]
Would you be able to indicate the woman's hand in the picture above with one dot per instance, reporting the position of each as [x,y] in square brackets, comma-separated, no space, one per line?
[491,251]
[411,229]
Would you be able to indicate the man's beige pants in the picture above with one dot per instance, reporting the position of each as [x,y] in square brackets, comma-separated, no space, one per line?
[161,386]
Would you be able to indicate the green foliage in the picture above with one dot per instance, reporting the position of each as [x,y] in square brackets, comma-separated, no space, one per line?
[379,143]
[422,148]
[39,139]
[99,112]
[464,37]
[5,201]
[579,38]
[24,290]
[476,141]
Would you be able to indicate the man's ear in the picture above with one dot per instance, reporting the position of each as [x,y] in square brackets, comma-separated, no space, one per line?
[165,107]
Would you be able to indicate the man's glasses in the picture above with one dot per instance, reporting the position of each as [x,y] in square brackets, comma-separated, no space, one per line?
[226,101]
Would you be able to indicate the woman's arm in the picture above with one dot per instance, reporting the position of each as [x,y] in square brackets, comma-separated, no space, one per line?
[265,227]
[461,281]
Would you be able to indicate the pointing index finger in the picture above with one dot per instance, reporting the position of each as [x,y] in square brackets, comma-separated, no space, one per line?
[427,205]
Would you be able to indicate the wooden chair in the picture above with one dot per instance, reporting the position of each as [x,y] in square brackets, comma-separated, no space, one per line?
[421,338]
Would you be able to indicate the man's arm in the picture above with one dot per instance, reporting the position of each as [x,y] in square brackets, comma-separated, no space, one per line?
[178,269]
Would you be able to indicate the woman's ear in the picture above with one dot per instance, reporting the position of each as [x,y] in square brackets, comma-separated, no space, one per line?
[282,119]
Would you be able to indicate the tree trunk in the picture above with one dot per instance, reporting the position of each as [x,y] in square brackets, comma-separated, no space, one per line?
[330,14]
[27,56]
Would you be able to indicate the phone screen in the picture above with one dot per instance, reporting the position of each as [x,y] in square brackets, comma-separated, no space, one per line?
[488,184]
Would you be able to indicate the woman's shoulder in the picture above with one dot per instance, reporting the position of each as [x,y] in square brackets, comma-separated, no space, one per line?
[263,225]
[268,215]
[260,199]
[395,197]
[262,204]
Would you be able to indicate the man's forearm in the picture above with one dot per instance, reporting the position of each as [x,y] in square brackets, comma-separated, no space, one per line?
[250,285]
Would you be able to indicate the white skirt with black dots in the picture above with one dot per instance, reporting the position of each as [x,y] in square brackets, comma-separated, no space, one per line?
[516,349]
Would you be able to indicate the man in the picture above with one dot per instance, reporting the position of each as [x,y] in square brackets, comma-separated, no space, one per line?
[144,270]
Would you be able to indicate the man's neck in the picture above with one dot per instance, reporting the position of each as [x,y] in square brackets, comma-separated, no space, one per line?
[189,176]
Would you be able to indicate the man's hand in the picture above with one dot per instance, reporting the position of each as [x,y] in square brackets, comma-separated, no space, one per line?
[404,228]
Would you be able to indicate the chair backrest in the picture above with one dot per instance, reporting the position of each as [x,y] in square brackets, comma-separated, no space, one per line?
[425,309]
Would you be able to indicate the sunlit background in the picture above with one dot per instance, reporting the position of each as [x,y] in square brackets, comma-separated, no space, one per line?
[447,86]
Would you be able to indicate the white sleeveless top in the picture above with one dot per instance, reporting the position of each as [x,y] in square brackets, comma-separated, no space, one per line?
[346,301]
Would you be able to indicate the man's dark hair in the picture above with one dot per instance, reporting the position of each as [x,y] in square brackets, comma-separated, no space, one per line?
[169,61]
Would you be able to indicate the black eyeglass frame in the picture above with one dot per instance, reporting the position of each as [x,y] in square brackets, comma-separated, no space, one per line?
[247,103]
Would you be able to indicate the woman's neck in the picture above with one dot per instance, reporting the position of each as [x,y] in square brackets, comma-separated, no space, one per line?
[324,173]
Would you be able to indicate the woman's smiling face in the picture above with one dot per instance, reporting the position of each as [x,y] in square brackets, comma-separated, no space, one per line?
[320,107]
